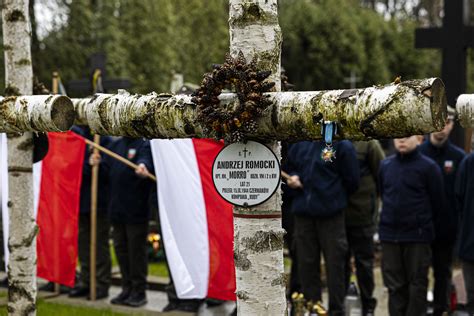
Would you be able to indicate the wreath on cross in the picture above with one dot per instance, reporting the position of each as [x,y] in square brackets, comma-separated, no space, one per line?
[248,83]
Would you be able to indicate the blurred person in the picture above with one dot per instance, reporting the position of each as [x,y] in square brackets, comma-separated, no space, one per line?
[412,192]
[321,193]
[129,213]
[103,263]
[448,157]
[464,189]
[361,217]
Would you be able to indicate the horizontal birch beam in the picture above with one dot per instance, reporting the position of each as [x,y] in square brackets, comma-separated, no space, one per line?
[37,113]
[465,109]
[396,110]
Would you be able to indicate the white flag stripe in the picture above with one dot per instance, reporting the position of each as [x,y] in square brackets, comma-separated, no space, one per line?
[182,215]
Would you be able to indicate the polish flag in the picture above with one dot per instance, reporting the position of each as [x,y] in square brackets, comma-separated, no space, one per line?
[196,222]
[56,190]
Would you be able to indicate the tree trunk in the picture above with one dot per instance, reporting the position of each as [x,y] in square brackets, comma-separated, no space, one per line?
[396,110]
[258,232]
[465,109]
[23,229]
[38,113]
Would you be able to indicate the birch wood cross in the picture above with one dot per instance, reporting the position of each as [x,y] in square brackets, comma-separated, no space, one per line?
[395,110]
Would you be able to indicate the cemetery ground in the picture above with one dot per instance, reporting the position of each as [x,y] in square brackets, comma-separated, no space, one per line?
[63,305]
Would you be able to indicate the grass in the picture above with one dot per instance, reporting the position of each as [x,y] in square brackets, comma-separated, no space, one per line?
[48,309]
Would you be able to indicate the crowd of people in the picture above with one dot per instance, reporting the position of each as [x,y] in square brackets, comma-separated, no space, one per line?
[424,220]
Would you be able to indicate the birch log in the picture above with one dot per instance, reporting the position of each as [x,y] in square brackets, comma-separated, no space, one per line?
[465,109]
[37,113]
[23,229]
[258,238]
[395,110]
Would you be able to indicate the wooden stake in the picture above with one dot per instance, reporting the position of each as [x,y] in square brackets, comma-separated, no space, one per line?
[115,156]
[93,246]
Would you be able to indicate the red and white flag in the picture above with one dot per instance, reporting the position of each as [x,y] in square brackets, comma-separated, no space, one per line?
[196,222]
[56,186]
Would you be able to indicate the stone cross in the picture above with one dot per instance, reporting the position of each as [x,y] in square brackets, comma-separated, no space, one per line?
[352,79]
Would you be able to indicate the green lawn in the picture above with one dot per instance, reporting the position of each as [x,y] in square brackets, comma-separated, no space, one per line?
[46,308]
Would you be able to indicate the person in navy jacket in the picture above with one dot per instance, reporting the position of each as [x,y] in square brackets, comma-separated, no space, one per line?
[129,214]
[413,196]
[103,262]
[321,191]
[465,206]
[448,157]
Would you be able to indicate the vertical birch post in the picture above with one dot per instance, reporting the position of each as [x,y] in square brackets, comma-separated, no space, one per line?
[23,229]
[55,90]
[258,233]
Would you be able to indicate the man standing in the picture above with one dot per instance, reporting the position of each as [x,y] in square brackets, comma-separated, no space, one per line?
[322,190]
[129,214]
[448,157]
[361,216]
[411,187]
[465,206]
[103,264]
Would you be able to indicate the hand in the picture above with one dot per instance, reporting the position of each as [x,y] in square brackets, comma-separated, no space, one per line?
[142,171]
[94,159]
[294,182]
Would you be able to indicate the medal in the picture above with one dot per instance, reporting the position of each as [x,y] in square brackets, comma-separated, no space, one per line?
[329,129]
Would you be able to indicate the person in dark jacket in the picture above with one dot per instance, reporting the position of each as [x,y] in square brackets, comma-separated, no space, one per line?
[129,213]
[103,263]
[321,193]
[464,189]
[361,216]
[411,187]
[448,157]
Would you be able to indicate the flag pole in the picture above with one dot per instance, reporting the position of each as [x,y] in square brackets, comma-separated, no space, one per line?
[93,246]
[96,87]
[115,156]
[55,90]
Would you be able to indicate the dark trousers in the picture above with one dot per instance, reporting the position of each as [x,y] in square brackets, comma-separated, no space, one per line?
[130,242]
[468,274]
[103,263]
[326,235]
[441,263]
[405,274]
[361,246]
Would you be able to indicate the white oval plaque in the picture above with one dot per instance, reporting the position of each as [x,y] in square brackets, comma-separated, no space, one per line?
[246,174]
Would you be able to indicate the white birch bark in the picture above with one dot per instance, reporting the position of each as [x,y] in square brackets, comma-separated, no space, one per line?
[37,113]
[396,110]
[23,229]
[258,242]
[465,109]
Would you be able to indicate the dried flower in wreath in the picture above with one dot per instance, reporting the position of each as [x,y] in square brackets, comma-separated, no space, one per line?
[248,83]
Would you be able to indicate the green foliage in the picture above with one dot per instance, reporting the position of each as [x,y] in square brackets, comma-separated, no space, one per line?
[147,40]
[325,40]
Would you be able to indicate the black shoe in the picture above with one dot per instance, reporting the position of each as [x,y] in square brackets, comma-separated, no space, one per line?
[79,291]
[172,306]
[100,294]
[48,287]
[136,300]
[121,298]
[189,306]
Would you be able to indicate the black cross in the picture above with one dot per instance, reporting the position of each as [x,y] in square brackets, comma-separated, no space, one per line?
[245,152]
[83,87]
[454,38]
